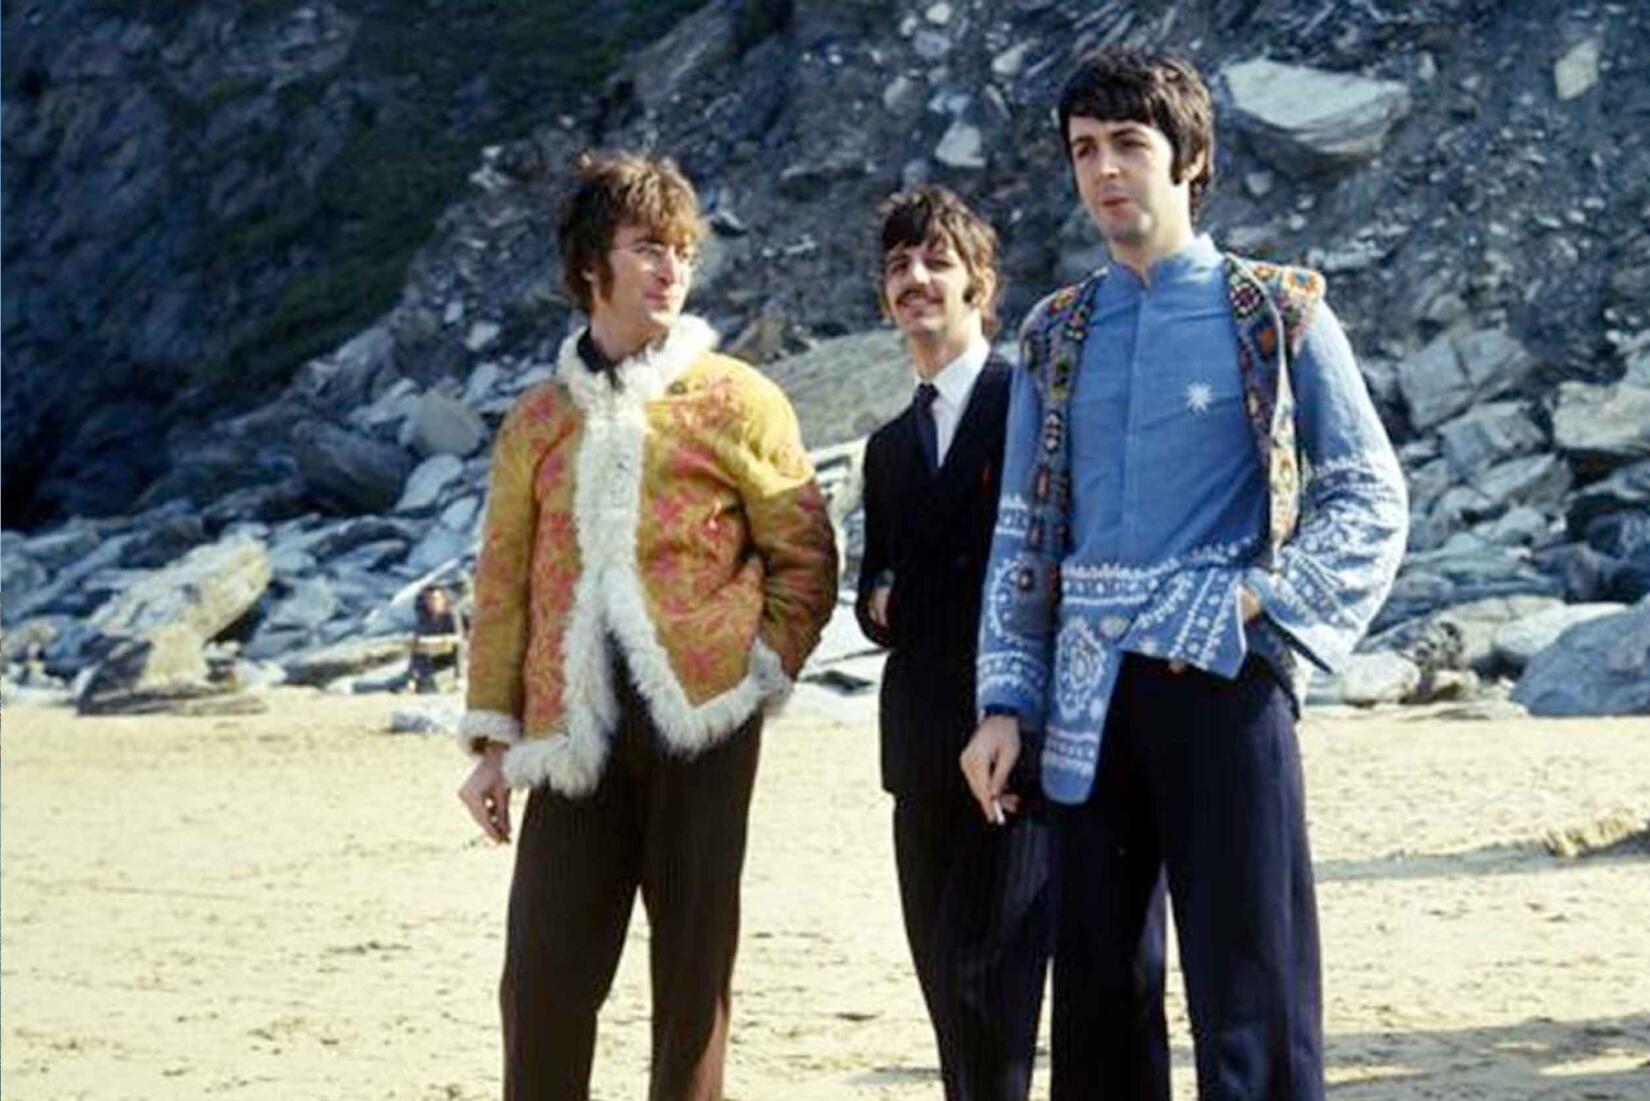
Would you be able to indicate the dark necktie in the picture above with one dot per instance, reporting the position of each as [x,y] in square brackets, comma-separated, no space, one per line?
[923,408]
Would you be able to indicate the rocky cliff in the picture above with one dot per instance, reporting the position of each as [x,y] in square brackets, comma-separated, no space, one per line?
[1469,175]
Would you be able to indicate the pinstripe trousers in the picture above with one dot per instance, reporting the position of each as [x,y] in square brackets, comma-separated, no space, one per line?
[671,827]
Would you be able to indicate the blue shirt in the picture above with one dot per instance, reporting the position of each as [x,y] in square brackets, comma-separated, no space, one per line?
[1168,512]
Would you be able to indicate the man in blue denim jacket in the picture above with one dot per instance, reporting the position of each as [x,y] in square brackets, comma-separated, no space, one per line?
[1196,490]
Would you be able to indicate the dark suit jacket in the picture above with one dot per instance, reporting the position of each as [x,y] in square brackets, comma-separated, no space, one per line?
[934,533]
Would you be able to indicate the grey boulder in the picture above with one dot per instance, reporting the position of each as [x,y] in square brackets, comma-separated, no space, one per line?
[1601,667]
[1305,121]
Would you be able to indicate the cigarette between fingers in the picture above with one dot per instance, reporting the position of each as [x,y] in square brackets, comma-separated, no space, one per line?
[996,811]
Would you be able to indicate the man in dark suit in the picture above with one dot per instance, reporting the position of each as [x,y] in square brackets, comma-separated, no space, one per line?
[974,892]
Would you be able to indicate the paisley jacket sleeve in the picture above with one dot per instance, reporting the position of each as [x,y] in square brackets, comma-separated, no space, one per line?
[790,527]
[498,633]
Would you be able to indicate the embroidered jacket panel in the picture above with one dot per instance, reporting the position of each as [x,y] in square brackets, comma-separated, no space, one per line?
[675,516]
[1168,507]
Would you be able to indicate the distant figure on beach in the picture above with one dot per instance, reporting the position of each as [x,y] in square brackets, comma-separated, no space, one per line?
[975,894]
[437,638]
[1197,493]
[657,563]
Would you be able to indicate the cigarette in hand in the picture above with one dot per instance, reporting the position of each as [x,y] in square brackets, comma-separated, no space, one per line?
[997,818]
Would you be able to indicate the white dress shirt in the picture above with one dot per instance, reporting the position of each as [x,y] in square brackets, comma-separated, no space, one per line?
[955,382]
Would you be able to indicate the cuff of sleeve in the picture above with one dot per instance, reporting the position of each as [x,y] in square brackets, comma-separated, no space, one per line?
[477,728]
[767,671]
[1318,645]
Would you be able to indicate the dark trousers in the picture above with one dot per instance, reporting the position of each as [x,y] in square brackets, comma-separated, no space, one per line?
[978,914]
[676,829]
[1199,779]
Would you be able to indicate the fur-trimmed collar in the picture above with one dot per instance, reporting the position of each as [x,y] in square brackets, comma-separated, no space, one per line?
[644,375]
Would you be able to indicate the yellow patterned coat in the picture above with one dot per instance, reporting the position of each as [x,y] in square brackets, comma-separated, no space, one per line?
[675,514]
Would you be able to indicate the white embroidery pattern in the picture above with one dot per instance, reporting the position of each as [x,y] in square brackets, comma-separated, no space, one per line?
[1198,397]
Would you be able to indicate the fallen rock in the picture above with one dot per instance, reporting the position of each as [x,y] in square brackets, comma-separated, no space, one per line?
[167,662]
[846,387]
[206,591]
[349,658]
[1519,640]
[1536,481]
[1452,372]
[348,470]
[1601,667]
[1472,625]
[961,147]
[1576,72]
[1370,679]
[427,483]
[425,720]
[443,426]
[1488,434]
[1305,121]
[1606,424]
[1613,834]
[1627,490]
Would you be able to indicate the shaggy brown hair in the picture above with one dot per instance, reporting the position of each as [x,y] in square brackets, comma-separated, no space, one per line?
[1114,83]
[933,213]
[616,189]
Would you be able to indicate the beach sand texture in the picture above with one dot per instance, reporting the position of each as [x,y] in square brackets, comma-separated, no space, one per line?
[294,905]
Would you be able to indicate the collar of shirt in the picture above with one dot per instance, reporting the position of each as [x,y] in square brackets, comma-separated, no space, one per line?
[955,381]
[595,359]
[1194,258]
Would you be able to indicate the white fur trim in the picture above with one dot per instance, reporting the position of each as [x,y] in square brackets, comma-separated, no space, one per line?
[478,727]
[644,375]
[608,600]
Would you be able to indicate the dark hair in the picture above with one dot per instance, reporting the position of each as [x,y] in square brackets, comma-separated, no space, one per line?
[934,213]
[1160,90]
[612,190]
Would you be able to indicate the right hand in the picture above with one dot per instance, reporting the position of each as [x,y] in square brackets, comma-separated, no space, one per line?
[486,794]
[879,605]
[987,762]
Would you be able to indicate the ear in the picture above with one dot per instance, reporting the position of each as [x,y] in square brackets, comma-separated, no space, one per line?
[981,289]
[1194,167]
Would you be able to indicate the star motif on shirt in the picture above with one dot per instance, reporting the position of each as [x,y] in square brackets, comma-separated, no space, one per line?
[1198,397]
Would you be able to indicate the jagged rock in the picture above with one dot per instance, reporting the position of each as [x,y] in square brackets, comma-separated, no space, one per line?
[167,661]
[1370,679]
[1474,623]
[354,471]
[1007,64]
[1519,640]
[847,387]
[1452,372]
[1539,481]
[1601,667]
[206,591]
[443,426]
[1576,72]
[428,482]
[1306,121]
[1488,434]
[1608,424]
[961,147]
[1627,490]
[351,658]
[307,605]
[434,719]
[1518,527]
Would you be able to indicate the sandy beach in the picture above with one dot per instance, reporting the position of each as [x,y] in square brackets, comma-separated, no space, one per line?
[294,905]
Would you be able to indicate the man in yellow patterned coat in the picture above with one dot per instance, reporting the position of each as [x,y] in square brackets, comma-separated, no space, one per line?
[657,565]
